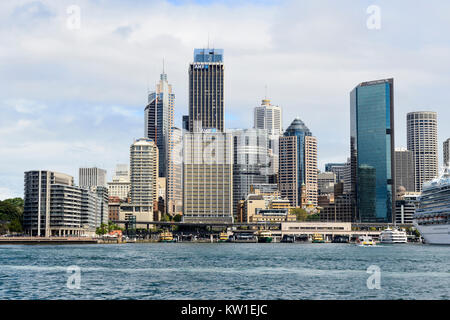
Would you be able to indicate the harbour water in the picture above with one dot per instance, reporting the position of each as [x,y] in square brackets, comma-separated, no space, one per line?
[224,271]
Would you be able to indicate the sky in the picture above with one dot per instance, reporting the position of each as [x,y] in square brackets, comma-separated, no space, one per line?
[73,91]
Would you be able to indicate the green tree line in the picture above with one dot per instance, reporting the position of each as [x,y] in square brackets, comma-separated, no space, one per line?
[11,215]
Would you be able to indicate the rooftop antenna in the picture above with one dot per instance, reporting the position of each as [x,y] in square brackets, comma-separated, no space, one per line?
[207,46]
[265,88]
[163,66]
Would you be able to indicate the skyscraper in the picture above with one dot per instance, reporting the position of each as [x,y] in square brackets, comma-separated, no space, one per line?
[268,116]
[143,174]
[159,119]
[250,161]
[298,164]
[405,169]
[447,152]
[208,177]
[372,150]
[92,177]
[206,90]
[422,140]
[174,187]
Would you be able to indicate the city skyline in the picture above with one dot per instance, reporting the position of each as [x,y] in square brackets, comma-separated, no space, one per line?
[36,119]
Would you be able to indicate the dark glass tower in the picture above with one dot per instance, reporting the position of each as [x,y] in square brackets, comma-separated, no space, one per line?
[206,96]
[372,150]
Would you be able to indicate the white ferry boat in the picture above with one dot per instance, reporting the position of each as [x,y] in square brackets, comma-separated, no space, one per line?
[393,236]
[432,217]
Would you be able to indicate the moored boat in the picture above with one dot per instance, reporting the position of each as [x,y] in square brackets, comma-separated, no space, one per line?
[317,238]
[223,237]
[265,236]
[392,236]
[166,236]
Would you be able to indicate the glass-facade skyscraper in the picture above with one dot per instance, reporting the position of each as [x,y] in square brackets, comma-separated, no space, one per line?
[372,150]
[206,91]
[159,120]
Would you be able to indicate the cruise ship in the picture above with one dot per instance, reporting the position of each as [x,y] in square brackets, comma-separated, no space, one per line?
[432,217]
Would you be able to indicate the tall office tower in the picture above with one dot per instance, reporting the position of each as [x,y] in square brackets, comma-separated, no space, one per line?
[422,140]
[250,162]
[372,150]
[174,191]
[447,152]
[144,173]
[297,173]
[120,184]
[206,90]
[338,169]
[208,177]
[405,170]
[54,206]
[268,117]
[159,119]
[91,177]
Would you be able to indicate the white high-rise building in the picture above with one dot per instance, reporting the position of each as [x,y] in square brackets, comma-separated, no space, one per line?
[143,182]
[268,117]
[422,140]
[144,172]
[92,177]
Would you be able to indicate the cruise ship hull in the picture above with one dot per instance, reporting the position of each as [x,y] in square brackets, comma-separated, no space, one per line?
[435,234]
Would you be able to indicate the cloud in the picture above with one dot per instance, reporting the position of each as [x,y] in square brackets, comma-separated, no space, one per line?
[25,105]
[76,97]
[5,193]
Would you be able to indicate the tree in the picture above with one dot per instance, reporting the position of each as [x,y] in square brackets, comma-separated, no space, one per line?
[313,217]
[101,230]
[300,213]
[11,214]
[177,218]
[165,218]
